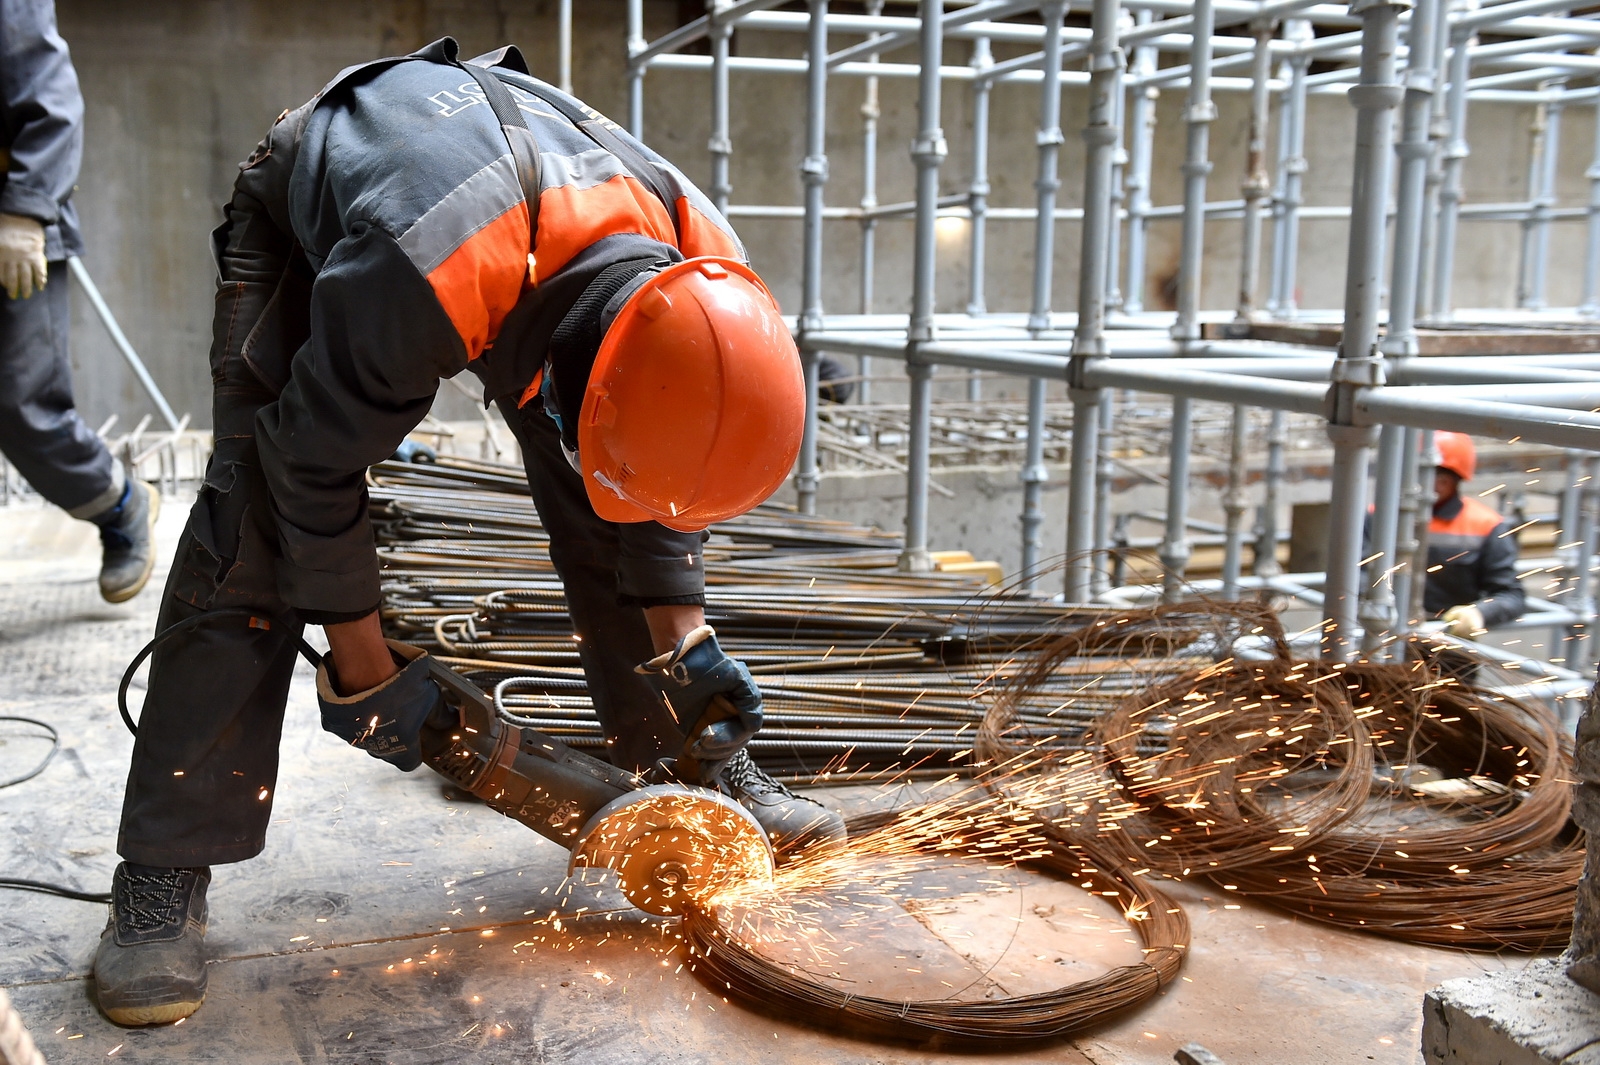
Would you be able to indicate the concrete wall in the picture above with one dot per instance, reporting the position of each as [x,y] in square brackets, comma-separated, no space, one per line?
[179,90]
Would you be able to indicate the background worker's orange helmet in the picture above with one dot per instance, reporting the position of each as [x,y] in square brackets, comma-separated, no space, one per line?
[1456,453]
[696,401]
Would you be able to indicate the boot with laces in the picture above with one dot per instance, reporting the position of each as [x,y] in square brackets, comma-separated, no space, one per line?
[150,967]
[794,823]
[128,542]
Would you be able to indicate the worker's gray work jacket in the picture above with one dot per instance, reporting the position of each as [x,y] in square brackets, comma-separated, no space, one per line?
[41,131]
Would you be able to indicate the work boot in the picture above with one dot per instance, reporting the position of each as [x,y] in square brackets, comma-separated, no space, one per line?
[128,542]
[793,823]
[150,967]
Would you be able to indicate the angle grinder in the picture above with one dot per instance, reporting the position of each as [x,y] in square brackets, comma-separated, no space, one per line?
[671,842]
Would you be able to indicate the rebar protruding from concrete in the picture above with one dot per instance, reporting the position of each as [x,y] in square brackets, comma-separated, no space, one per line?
[1358,366]
[16,1045]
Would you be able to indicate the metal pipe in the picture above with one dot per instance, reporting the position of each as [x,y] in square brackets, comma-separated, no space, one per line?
[1045,185]
[1100,137]
[1119,164]
[813,175]
[1257,183]
[928,152]
[1200,113]
[1409,538]
[1433,179]
[81,274]
[1358,367]
[870,113]
[721,143]
[978,196]
[1103,474]
[564,42]
[1541,216]
[1175,548]
[1562,428]
[1452,189]
[1265,563]
[1233,505]
[1141,135]
[1580,639]
[636,68]
[1590,302]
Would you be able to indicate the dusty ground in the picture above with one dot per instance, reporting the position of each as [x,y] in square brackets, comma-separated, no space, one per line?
[386,923]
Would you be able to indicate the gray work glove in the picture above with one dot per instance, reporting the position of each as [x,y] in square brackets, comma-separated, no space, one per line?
[688,678]
[385,721]
[23,270]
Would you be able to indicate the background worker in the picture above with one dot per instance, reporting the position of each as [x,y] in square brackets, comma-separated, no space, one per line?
[1472,558]
[418,217]
[41,431]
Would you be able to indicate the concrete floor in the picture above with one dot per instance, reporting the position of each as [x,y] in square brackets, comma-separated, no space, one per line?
[387,923]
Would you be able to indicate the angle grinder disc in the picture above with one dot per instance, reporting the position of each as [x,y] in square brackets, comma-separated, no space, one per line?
[672,845]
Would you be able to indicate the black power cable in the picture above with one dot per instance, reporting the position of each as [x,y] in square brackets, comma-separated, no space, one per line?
[257,619]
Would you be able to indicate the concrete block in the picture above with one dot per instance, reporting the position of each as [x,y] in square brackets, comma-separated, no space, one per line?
[1528,1016]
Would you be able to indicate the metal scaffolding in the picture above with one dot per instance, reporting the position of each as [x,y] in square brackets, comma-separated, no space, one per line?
[1382,371]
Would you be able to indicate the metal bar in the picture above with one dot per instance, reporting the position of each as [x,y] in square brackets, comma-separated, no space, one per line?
[636,68]
[564,46]
[1590,303]
[978,202]
[1580,637]
[1358,366]
[1105,470]
[928,152]
[1265,563]
[813,176]
[1142,134]
[870,113]
[1452,189]
[1233,505]
[1257,184]
[81,274]
[721,143]
[1200,113]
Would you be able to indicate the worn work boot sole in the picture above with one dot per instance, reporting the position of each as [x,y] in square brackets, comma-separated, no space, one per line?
[150,966]
[129,553]
[794,823]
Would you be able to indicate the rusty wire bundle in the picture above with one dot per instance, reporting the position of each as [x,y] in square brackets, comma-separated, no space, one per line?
[729,965]
[1415,798]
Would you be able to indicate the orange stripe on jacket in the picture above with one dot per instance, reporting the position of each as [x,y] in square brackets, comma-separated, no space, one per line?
[702,236]
[1474,519]
[483,279]
[571,219]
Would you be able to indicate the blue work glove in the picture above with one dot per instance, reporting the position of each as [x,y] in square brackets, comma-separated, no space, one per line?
[412,451]
[688,678]
[385,721]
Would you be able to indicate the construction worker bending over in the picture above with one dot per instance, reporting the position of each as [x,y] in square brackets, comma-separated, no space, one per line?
[1472,558]
[41,431]
[417,217]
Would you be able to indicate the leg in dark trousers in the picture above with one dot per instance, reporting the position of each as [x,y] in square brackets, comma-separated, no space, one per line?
[41,431]
[612,639]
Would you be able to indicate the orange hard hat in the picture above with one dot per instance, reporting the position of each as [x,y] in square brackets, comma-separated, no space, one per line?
[1456,453]
[696,401]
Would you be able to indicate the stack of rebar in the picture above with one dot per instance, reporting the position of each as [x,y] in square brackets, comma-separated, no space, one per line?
[865,671]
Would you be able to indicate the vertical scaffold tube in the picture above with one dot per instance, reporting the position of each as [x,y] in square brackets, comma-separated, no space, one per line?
[1451,187]
[1407,538]
[1141,142]
[928,153]
[1045,185]
[1581,637]
[813,175]
[1088,341]
[870,112]
[1233,504]
[636,44]
[1438,130]
[1175,548]
[720,144]
[1292,169]
[1257,184]
[1104,471]
[978,197]
[1544,201]
[1589,305]
[1380,616]
[564,45]
[1119,164]
[1265,563]
[1358,364]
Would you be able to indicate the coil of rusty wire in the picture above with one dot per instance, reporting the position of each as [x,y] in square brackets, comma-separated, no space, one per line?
[730,966]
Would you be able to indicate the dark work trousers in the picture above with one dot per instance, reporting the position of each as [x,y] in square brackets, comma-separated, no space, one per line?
[40,429]
[612,638]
